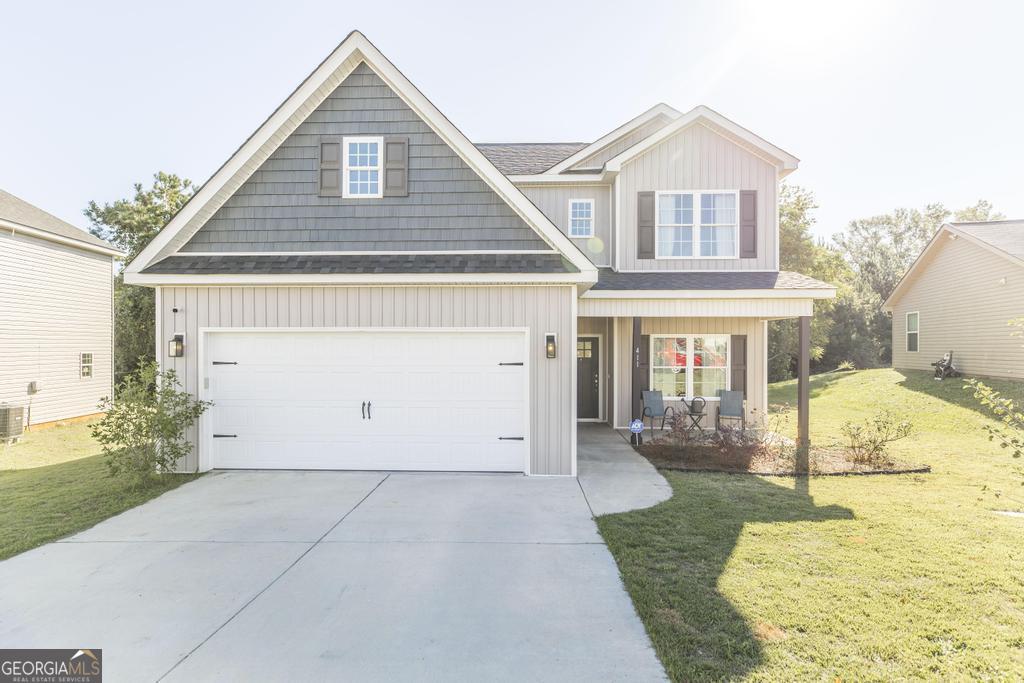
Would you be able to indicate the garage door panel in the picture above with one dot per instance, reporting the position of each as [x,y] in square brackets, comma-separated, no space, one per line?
[440,400]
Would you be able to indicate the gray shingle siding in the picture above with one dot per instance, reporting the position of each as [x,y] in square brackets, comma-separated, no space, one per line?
[323,264]
[448,208]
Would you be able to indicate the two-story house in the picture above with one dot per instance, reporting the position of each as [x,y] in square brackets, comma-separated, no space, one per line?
[361,287]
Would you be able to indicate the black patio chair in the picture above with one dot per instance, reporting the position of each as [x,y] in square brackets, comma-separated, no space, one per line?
[654,406]
[944,368]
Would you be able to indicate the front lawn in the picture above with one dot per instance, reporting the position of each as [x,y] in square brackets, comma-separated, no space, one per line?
[49,501]
[840,578]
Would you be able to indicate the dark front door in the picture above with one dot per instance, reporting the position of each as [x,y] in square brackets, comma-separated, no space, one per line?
[588,377]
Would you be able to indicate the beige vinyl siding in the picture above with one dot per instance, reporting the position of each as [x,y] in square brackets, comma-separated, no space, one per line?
[553,201]
[542,309]
[964,307]
[757,373]
[697,158]
[55,303]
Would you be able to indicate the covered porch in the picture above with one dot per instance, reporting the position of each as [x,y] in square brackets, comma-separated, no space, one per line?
[705,334]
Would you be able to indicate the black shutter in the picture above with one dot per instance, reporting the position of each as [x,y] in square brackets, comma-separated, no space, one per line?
[396,167]
[738,363]
[645,225]
[329,177]
[748,224]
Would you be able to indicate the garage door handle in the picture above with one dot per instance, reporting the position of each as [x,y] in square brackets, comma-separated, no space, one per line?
[225,436]
[509,363]
[510,438]
[225,362]
[364,410]
[369,415]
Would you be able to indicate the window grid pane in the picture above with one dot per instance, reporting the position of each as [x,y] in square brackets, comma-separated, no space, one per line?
[703,360]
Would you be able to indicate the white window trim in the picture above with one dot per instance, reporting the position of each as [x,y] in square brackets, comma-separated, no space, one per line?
[695,238]
[907,332]
[689,360]
[82,365]
[345,141]
[590,232]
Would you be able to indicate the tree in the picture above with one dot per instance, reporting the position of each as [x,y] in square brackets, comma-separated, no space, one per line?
[879,251]
[130,224]
[799,252]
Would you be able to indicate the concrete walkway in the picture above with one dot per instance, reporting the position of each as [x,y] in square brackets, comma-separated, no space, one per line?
[613,476]
[361,576]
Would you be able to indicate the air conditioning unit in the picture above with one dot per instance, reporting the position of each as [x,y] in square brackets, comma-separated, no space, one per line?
[12,422]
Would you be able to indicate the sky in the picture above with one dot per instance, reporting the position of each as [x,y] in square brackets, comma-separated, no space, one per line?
[887,104]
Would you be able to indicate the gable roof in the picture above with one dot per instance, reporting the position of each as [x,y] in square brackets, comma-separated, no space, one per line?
[785,162]
[659,110]
[17,214]
[352,51]
[1002,238]
[527,158]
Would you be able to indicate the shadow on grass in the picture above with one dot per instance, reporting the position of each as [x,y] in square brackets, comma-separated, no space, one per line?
[672,557]
[785,392]
[952,390]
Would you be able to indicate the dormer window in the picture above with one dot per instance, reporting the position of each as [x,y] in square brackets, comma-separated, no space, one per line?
[362,167]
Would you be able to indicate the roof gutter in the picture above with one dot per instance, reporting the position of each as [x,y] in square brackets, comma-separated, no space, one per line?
[16,228]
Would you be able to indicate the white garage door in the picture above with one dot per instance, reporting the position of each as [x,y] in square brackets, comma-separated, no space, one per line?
[382,400]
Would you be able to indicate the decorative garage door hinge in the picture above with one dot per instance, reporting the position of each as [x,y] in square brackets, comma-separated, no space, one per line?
[510,438]
[225,436]
[509,363]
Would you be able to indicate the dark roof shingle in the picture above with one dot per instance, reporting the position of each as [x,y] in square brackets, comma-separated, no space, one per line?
[525,158]
[1006,236]
[610,280]
[21,212]
[350,264]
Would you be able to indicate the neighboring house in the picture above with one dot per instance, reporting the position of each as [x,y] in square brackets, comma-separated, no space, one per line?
[56,314]
[959,296]
[360,286]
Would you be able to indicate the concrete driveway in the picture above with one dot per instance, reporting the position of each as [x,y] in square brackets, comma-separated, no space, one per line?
[337,575]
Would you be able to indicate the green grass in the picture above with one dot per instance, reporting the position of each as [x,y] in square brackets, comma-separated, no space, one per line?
[49,501]
[841,578]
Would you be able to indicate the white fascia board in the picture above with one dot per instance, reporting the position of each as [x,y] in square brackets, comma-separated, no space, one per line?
[18,228]
[564,179]
[785,162]
[827,293]
[354,49]
[948,231]
[365,280]
[660,109]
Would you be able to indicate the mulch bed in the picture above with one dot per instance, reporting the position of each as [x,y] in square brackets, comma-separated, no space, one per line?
[823,462]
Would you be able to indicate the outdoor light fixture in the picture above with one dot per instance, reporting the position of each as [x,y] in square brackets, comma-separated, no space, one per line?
[549,345]
[176,347]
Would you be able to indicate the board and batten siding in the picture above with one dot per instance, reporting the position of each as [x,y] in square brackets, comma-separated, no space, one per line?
[757,365]
[542,309]
[553,201]
[55,303]
[964,307]
[597,160]
[697,158]
[448,207]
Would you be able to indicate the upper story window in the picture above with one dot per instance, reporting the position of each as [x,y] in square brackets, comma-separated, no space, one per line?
[362,169]
[581,218]
[913,330]
[697,224]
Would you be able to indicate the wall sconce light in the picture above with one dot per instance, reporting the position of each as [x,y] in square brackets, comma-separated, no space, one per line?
[550,348]
[176,347]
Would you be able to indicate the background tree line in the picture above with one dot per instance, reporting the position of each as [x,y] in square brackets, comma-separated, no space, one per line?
[865,262]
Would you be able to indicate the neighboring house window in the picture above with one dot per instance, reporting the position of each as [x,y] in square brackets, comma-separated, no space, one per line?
[362,167]
[913,330]
[697,224]
[689,365]
[85,365]
[581,218]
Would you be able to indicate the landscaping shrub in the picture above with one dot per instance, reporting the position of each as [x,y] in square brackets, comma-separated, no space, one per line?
[846,366]
[143,431]
[867,442]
